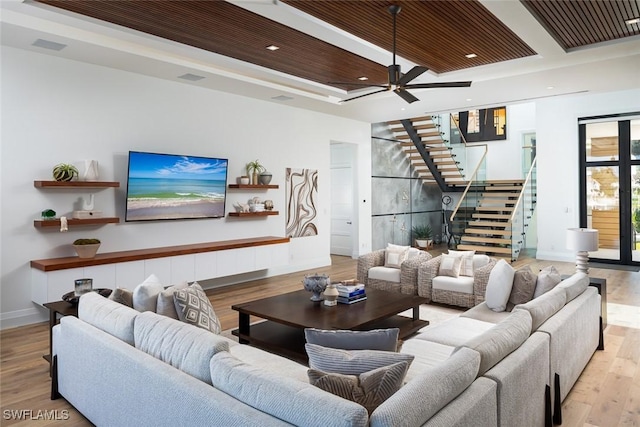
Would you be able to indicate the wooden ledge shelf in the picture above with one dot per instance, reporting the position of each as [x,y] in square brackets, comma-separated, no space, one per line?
[54,264]
[76,184]
[73,222]
[249,214]
[254,186]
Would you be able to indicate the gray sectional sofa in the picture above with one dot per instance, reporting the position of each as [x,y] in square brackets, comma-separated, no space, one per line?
[121,367]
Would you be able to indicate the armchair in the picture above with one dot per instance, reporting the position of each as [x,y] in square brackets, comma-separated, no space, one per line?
[374,274]
[463,291]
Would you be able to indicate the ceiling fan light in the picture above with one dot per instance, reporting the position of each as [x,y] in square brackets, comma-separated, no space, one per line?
[471,55]
[272,47]
[363,78]
[632,21]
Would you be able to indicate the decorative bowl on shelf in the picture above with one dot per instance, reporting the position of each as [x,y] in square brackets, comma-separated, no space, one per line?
[86,248]
[316,283]
[265,178]
[73,299]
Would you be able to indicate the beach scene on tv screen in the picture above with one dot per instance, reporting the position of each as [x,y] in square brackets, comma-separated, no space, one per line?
[163,186]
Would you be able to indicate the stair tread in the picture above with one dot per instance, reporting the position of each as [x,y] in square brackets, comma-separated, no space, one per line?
[495,208]
[480,248]
[485,231]
[489,224]
[479,239]
[490,216]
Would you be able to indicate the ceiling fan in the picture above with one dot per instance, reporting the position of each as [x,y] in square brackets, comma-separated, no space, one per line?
[399,82]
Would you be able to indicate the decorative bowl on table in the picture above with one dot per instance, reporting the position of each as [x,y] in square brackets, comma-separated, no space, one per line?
[316,283]
[73,299]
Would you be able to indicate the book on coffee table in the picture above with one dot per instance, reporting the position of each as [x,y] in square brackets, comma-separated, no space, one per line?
[351,300]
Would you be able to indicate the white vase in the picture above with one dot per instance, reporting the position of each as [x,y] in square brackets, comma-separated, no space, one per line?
[90,170]
[331,295]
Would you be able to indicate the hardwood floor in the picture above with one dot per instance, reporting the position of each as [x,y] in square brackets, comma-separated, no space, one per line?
[607,394]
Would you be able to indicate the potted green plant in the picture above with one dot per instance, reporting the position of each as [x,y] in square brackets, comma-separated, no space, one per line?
[64,172]
[86,248]
[253,170]
[422,235]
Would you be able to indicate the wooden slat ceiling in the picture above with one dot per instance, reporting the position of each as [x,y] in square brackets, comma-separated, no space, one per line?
[575,24]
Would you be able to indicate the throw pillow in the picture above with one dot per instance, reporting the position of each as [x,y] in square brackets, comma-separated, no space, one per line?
[466,268]
[524,284]
[351,362]
[369,389]
[122,296]
[395,255]
[548,278]
[377,339]
[193,306]
[145,295]
[499,286]
[165,304]
[450,265]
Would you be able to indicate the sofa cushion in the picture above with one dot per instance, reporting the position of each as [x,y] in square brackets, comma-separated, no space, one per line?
[193,306]
[462,284]
[395,255]
[574,285]
[369,389]
[544,306]
[480,260]
[466,267]
[295,402]
[377,339]
[499,286]
[485,314]
[145,295]
[269,362]
[426,354]
[181,345]
[524,285]
[165,305]
[413,252]
[547,279]
[453,332]
[113,318]
[450,265]
[420,399]
[501,340]
[351,362]
[122,296]
[387,274]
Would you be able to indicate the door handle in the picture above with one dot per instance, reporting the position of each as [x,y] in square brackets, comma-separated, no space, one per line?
[349,222]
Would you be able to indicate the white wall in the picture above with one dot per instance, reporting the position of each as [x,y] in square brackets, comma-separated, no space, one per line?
[55,110]
[557,142]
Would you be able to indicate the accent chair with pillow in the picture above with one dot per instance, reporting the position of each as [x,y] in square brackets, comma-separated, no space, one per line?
[392,269]
[453,278]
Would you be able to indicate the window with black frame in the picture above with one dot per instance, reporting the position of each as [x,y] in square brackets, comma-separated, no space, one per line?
[489,124]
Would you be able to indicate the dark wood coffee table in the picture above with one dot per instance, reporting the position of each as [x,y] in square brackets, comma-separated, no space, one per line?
[287,316]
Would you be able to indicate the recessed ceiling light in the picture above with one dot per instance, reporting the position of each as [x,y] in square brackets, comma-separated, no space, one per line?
[47,44]
[272,47]
[549,87]
[363,78]
[632,21]
[191,77]
[468,99]
[470,55]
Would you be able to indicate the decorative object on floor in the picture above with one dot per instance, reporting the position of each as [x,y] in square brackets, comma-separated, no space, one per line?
[64,172]
[268,205]
[243,180]
[316,283]
[82,286]
[301,193]
[73,299]
[48,214]
[331,295]
[86,248]
[91,172]
[583,241]
[253,170]
[265,178]
[422,235]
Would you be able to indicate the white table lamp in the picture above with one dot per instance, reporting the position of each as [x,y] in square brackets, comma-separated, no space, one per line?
[583,241]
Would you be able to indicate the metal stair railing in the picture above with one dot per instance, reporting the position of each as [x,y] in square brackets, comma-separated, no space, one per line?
[523,211]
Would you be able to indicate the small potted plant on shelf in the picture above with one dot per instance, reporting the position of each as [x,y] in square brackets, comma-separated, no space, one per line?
[422,235]
[64,172]
[253,170]
[86,248]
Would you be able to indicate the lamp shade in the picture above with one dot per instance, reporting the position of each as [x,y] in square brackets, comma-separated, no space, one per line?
[582,239]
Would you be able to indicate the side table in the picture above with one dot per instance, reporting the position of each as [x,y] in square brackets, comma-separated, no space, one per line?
[56,308]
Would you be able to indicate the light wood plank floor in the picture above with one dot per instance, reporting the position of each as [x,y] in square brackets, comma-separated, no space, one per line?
[607,394]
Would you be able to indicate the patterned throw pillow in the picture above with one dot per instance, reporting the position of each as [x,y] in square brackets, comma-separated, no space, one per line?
[193,306]
[351,362]
[369,389]
[450,265]
[395,255]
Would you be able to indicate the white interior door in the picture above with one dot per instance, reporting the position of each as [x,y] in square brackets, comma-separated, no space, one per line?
[342,225]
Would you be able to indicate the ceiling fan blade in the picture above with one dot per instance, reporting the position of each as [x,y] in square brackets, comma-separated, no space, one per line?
[437,85]
[406,95]
[367,94]
[412,74]
[356,84]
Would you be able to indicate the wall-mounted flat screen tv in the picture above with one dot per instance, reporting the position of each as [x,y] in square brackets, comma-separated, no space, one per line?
[169,186]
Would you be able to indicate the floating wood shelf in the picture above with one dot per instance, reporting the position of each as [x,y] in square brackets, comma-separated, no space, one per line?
[75,184]
[247,214]
[73,222]
[254,186]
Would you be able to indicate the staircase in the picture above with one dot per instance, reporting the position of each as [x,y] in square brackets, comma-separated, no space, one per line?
[439,152]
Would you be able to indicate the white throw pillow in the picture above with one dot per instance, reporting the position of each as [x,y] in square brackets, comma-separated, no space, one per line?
[145,295]
[547,279]
[395,255]
[450,265]
[499,286]
[466,268]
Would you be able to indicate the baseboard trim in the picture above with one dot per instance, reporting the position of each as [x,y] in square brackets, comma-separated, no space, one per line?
[29,316]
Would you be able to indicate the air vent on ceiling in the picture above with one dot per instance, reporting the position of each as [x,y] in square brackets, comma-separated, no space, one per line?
[47,44]
[282,98]
[191,77]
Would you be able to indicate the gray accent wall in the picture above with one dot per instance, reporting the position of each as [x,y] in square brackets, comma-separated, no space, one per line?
[399,199]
